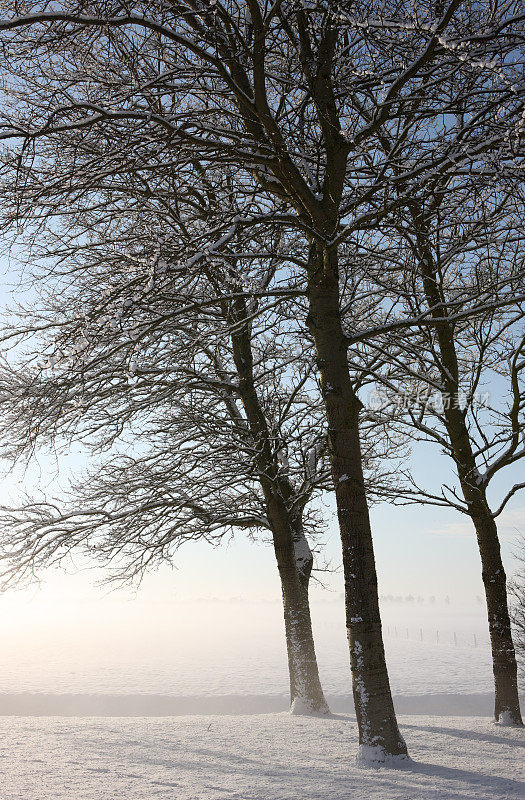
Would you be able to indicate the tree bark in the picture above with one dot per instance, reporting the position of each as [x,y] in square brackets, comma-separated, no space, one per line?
[379,734]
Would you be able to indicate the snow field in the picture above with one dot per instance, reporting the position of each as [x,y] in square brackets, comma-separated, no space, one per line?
[233,649]
[264,757]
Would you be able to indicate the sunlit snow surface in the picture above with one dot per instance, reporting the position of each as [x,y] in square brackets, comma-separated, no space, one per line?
[264,757]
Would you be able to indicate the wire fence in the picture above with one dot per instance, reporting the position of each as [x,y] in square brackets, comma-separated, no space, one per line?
[436,636]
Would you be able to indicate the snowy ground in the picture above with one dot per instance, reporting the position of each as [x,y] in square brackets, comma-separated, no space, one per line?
[265,757]
[229,660]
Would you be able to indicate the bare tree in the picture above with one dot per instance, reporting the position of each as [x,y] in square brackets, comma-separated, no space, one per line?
[272,92]
[205,435]
[221,422]
[453,283]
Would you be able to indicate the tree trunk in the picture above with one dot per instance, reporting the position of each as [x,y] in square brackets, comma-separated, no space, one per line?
[306,693]
[507,704]
[294,559]
[505,668]
[506,701]
[379,734]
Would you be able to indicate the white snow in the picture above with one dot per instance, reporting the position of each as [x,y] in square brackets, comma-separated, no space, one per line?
[126,664]
[302,549]
[505,719]
[264,757]
[370,754]
[300,707]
